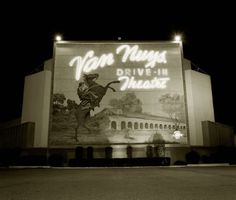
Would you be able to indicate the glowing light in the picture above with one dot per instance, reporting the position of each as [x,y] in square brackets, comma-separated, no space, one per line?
[58,38]
[131,83]
[177,135]
[135,71]
[135,54]
[90,62]
[177,38]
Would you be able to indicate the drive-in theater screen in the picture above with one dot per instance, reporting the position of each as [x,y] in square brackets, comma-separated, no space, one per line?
[117,93]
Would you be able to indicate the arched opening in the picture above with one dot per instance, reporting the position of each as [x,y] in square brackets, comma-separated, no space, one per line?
[151,126]
[113,125]
[130,125]
[123,125]
[160,126]
[141,125]
[136,125]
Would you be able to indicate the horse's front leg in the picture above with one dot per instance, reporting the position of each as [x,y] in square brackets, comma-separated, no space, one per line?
[76,133]
[85,124]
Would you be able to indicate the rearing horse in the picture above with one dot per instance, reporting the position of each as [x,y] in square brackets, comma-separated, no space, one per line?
[82,112]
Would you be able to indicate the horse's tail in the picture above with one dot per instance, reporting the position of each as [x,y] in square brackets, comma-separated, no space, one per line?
[108,85]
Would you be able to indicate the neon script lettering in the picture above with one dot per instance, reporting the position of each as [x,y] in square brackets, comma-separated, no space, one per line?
[131,83]
[135,54]
[90,62]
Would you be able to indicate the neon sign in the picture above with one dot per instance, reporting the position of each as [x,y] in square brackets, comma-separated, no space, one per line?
[90,62]
[131,83]
[137,55]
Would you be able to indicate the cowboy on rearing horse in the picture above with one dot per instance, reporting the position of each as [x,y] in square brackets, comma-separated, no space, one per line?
[87,97]
[90,94]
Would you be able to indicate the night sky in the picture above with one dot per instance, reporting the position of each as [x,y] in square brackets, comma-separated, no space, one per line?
[28,31]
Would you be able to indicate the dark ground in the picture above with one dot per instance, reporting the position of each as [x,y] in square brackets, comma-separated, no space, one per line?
[119,183]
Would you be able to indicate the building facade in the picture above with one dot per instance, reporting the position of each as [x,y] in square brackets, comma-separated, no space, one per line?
[143,94]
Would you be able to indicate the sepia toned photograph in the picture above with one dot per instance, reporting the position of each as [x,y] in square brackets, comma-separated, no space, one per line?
[117,100]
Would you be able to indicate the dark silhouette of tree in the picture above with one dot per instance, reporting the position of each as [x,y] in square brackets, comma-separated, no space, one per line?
[58,101]
[158,139]
[59,98]
[173,105]
[128,103]
[71,104]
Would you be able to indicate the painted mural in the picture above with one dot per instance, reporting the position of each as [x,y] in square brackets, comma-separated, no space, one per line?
[118,93]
